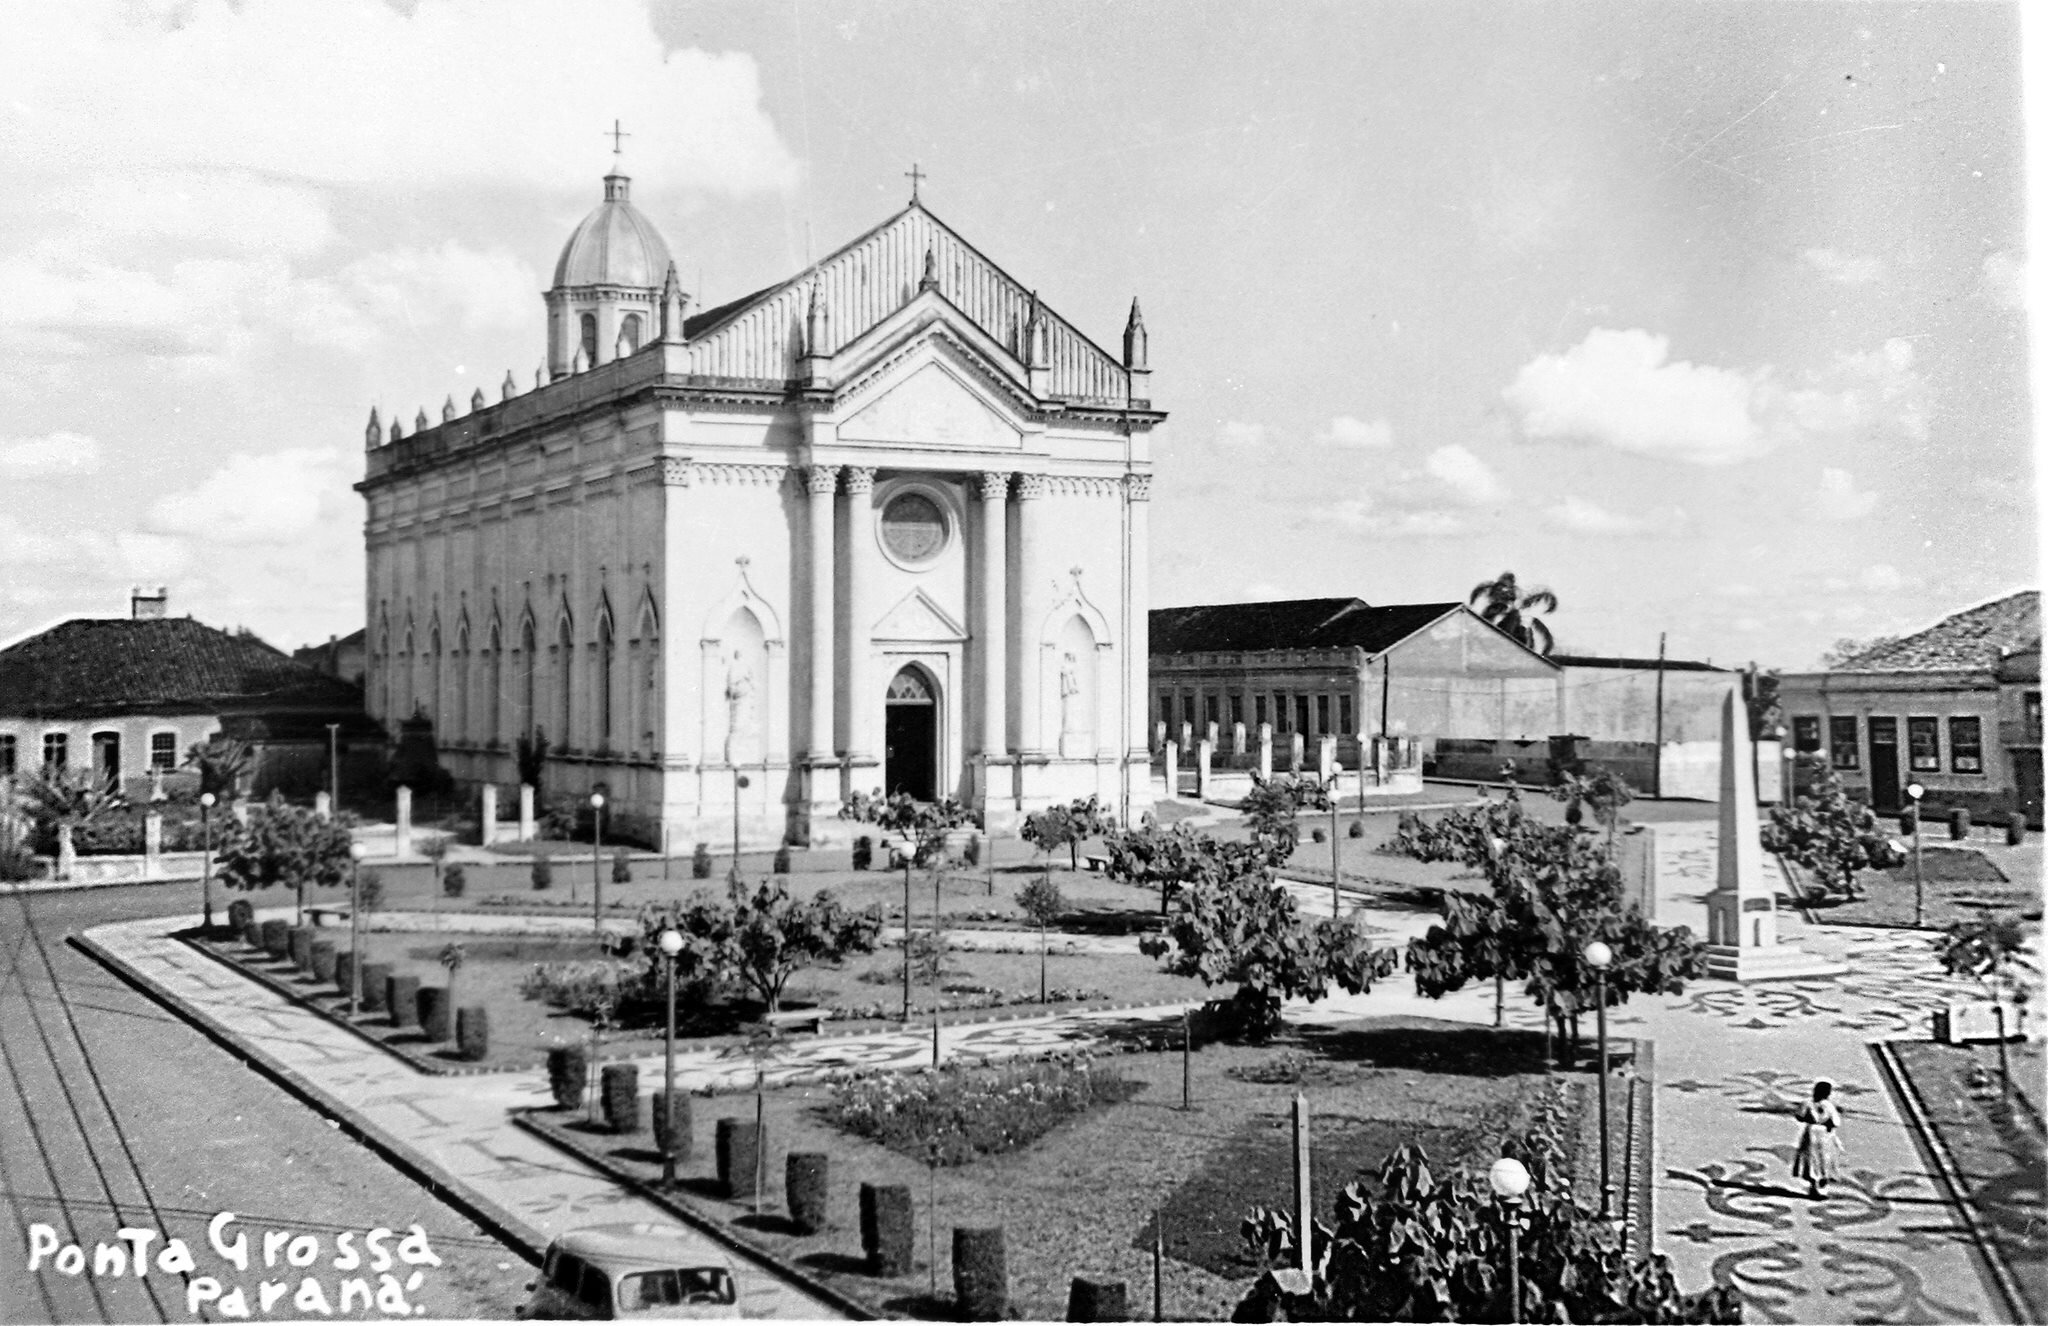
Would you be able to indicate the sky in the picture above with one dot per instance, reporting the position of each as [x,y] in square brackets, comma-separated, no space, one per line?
[1710,317]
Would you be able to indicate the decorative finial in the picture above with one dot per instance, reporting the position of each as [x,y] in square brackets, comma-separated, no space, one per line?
[448,408]
[540,377]
[375,433]
[930,280]
[915,176]
[419,423]
[476,400]
[616,184]
[675,307]
[1135,340]
[510,389]
[581,363]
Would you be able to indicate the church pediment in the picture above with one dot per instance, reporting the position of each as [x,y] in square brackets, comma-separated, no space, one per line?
[916,618]
[932,406]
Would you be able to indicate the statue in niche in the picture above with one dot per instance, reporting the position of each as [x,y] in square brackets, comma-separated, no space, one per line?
[739,690]
[1070,687]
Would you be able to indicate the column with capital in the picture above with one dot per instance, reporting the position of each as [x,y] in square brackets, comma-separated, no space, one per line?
[863,700]
[1137,658]
[821,483]
[1034,582]
[991,617]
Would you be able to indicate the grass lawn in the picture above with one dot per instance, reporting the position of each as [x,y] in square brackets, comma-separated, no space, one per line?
[523,1030]
[1959,884]
[1081,1200]
[1997,1146]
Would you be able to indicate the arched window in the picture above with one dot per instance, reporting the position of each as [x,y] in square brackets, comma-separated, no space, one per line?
[565,675]
[528,665]
[435,674]
[410,692]
[629,331]
[604,682]
[496,692]
[590,338]
[462,680]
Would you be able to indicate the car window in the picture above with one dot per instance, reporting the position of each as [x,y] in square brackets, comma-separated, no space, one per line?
[595,1292]
[565,1271]
[664,1289]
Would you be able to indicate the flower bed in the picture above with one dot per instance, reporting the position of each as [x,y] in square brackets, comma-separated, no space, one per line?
[964,1113]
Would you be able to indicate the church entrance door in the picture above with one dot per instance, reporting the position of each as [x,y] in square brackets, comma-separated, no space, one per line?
[910,733]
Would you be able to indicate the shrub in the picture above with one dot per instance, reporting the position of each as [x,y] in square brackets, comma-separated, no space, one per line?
[970,855]
[1098,1300]
[568,1075]
[1357,830]
[2015,829]
[806,1184]
[583,987]
[252,934]
[888,1228]
[672,1131]
[739,1156]
[376,986]
[299,944]
[700,862]
[277,938]
[981,1277]
[454,882]
[323,960]
[863,852]
[1959,823]
[543,872]
[473,1032]
[402,1000]
[622,867]
[1319,835]
[18,864]
[781,864]
[620,1089]
[435,1014]
[282,844]
[969,1112]
[240,913]
[344,970]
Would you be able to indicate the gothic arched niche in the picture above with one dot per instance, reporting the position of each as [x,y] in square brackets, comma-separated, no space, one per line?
[736,680]
[1077,686]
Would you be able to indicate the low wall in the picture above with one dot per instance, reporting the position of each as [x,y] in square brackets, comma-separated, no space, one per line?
[98,871]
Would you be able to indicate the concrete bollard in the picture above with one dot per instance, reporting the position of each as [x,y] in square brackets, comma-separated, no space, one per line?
[404,847]
[526,812]
[1204,753]
[1326,755]
[488,816]
[1265,750]
[1159,734]
[323,805]
[1187,736]
[1210,732]
[152,845]
[1296,752]
[1173,770]
[1237,746]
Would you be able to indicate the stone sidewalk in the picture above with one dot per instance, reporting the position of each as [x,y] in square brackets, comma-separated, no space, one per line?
[1731,1062]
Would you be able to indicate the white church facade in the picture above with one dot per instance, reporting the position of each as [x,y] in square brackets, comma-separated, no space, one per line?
[881,526]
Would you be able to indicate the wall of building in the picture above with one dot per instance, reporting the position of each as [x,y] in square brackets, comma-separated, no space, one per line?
[1620,704]
[1903,696]
[134,730]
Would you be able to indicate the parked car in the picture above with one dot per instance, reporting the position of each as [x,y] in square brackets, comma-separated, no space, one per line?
[625,1271]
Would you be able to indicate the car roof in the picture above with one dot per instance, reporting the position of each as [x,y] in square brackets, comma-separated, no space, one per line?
[642,1243]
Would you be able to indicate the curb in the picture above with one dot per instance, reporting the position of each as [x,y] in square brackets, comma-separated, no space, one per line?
[690,1213]
[301,997]
[1933,1148]
[492,1218]
[1639,1167]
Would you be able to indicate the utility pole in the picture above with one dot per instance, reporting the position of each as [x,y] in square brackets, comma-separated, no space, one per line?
[1657,755]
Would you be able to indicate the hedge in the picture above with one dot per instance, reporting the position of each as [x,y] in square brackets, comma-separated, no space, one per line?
[402,1000]
[981,1277]
[672,1130]
[1098,1300]
[806,1185]
[888,1228]
[568,1075]
[277,938]
[323,960]
[437,1015]
[376,975]
[473,1032]
[739,1156]
[620,1088]
[299,944]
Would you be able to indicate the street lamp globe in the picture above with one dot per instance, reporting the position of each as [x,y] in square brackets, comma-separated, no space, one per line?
[1510,1179]
[1598,955]
[357,851]
[1915,791]
[206,799]
[671,943]
[597,801]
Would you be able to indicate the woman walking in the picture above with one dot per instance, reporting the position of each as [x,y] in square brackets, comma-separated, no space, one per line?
[1819,1159]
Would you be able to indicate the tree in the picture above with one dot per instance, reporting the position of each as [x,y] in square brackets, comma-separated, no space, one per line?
[224,765]
[925,823]
[1830,834]
[56,798]
[1603,791]
[530,756]
[1760,697]
[1273,808]
[452,956]
[1050,829]
[1429,1248]
[436,849]
[1554,891]
[1508,606]
[763,939]
[1042,902]
[283,844]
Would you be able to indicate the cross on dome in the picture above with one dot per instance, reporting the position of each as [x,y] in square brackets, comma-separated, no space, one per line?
[617,135]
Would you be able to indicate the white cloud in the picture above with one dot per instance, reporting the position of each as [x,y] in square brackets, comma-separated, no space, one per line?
[2003,279]
[1237,435]
[1579,515]
[353,92]
[1357,434]
[219,210]
[476,289]
[1360,516]
[1621,389]
[1846,268]
[1469,479]
[276,498]
[1882,579]
[1840,499]
[53,454]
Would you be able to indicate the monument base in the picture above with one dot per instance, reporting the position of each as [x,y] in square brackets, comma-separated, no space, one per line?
[1770,962]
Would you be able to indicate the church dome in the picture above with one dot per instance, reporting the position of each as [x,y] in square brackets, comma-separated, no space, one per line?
[614,245]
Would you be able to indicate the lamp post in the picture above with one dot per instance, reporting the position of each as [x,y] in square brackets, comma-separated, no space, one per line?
[1788,787]
[1498,850]
[671,944]
[1916,791]
[739,781]
[1335,770]
[1510,1180]
[597,860]
[1598,957]
[206,857]
[355,928]
[334,767]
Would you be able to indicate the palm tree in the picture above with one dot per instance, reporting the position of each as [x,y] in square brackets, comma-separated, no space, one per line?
[1509,607]
[223,763]
[452,957]
[61,801]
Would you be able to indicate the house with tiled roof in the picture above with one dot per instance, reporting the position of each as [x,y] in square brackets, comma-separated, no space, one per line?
[128,696]
[1955,708]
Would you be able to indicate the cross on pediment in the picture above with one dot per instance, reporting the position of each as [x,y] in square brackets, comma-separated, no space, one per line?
[915,176]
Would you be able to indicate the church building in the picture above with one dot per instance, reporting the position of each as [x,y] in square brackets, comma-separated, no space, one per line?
[879,526]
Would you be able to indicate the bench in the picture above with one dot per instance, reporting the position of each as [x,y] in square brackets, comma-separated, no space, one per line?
[815,1018]
[319,915]
[1096,864]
